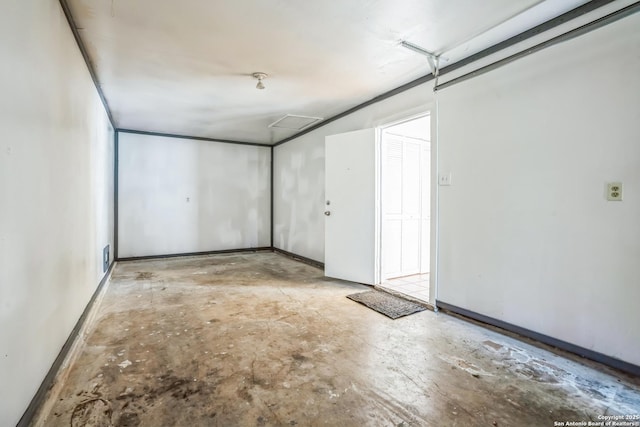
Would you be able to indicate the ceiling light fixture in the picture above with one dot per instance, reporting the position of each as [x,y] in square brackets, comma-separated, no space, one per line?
[260,77]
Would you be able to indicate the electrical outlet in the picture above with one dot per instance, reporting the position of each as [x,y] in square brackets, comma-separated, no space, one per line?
[444,179]
[614,191]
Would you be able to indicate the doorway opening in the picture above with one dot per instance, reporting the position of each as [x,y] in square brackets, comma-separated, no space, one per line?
[405,207]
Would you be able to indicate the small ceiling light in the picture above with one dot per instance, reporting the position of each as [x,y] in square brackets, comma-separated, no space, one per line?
[260,77]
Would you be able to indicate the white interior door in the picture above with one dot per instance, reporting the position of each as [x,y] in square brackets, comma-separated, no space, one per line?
[411,207]
[351,238]
[403,199]
[391,179]
[425,169]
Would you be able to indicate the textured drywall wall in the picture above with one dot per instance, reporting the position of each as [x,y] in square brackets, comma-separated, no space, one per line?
[182,195]
[56,195]
[526,233]
[298,186]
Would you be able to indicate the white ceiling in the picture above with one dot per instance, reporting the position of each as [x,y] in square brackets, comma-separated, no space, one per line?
[184,67]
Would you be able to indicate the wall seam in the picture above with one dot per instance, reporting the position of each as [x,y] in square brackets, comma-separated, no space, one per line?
[196,138]
[271,195]
[116,147]
[87,60]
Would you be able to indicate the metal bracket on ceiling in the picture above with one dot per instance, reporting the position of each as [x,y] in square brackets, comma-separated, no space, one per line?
[432,58]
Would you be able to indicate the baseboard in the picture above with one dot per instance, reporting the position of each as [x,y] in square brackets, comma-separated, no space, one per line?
[300,258]
[563,345]
[291,255]
[48,382]
[186,254]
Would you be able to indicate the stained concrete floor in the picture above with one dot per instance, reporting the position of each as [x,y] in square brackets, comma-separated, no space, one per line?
[262,340]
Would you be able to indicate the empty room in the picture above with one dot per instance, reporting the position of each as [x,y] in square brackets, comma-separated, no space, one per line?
[305,213]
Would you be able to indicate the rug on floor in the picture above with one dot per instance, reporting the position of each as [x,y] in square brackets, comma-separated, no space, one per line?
[387,304]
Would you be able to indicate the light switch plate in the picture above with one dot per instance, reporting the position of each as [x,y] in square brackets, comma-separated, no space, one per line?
[444,179]
[614,191]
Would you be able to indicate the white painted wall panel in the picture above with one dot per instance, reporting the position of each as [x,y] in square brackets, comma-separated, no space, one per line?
[299,171]
[526,234]
[183,195]
[56,195]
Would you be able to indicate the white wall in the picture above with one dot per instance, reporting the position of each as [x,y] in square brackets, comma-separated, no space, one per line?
[299,171]
[56,187]
[526,234]
[182,195]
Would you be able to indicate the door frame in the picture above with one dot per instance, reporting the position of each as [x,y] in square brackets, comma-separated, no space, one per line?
[430,111]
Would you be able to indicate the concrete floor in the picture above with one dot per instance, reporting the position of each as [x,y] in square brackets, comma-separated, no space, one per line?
[261,340]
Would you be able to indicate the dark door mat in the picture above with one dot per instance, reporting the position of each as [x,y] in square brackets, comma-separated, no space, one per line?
[387,304]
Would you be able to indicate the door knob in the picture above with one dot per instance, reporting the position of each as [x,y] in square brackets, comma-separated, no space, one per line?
[327,213]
